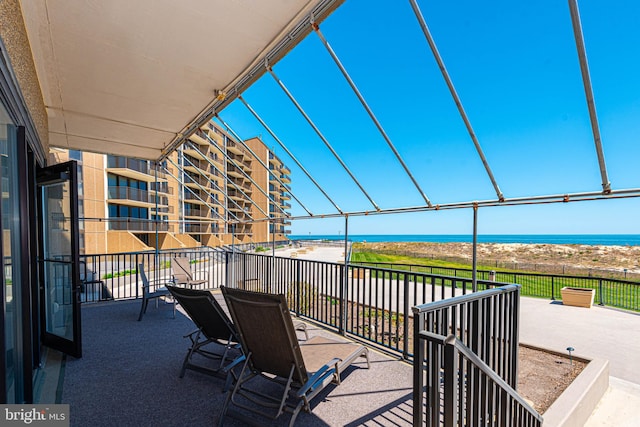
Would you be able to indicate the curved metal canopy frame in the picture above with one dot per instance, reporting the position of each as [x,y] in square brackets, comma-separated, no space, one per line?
[309,24]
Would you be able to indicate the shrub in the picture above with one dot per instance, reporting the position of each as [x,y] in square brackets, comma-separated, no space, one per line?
[307,296]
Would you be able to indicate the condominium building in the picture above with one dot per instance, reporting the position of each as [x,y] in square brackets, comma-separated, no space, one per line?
[213,190]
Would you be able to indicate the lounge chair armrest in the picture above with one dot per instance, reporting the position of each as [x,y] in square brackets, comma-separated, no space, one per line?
[320,375]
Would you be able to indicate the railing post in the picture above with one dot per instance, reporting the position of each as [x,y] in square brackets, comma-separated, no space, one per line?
[137,277]
[553,292]
[227,273]
[298,284]
[418,361]
[600,290]
[450,382]
[343,303]
[405,314]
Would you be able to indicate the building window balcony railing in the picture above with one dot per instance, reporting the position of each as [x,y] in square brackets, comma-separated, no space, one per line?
[197,228]
[197,212]
[137,224]
[120,162]
[163,209]
[136,194]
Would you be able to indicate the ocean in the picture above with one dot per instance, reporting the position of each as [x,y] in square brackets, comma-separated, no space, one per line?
[578,239]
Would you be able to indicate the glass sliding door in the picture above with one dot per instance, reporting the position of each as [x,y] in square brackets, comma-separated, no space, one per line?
[12,357]
[59,263]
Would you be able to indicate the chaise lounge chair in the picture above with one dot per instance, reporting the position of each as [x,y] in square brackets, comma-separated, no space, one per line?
[272,351]
[151,289]
[182,273]
[214,327]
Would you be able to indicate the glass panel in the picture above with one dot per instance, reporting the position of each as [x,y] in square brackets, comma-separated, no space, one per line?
[58,281]
[11,258]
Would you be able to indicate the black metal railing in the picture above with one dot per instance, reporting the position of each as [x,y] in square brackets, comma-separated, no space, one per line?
[372,304]
[612,292]
[116,276]
[463,343]
[466,361]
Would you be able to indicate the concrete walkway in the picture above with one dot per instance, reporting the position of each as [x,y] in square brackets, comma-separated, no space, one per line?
[596,332]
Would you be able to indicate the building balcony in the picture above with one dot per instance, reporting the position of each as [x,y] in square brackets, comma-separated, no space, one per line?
[286,179]
[197,228]
[138,225]
[198,213]
[136,197]
[133,168]
[285,196]
[235,148]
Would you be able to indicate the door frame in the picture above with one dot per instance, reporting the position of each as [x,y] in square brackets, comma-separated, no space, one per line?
[58,173]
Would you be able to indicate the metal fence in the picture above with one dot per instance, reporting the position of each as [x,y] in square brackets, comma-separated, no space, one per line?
[466,361]
[617,293]
[372,304]
[116,276]
[375,305]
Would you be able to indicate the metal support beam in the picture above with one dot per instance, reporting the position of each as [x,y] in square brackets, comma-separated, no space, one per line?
[193,192]
[320,135]
[289,153]
[236,187]
[474,268]
[345,279]
[588,90]
[265,166]
[233,162]
[373,117]
[454,94]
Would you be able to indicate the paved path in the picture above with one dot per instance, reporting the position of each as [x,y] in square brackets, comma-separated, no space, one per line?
[595,332]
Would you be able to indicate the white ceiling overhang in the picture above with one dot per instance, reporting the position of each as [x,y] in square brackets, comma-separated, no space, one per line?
[136,77]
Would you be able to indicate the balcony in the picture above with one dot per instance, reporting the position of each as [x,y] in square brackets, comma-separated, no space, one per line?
[199,213]
[138,225]
[373,396]
[235,148]
[133,168]
[136,197]
[197,228]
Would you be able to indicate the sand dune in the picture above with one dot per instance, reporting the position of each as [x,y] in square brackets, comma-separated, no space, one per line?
[554,256]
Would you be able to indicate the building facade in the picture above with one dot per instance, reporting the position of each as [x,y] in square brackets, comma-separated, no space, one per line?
[212,191]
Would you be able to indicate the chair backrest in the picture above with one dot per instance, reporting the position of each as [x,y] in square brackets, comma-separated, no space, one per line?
[205,312]
[181,270]
[144,278]
[266,331]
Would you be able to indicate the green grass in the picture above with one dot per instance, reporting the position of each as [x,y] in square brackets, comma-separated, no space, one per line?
[532,283]
[119,274]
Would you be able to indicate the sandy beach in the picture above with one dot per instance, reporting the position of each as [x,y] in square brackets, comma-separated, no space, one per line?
[572,259]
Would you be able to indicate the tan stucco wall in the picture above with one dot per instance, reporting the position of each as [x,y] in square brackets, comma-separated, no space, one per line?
[94,203]
[14,37]
[124,241]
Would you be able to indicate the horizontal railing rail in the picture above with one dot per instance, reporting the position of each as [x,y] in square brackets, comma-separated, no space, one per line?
[611,292]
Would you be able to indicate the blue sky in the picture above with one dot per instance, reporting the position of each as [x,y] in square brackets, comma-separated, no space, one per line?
[515,67]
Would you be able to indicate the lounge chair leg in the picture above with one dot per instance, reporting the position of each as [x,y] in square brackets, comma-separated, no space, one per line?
[143,309]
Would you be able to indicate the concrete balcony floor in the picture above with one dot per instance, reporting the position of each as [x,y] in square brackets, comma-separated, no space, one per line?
[128,376]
